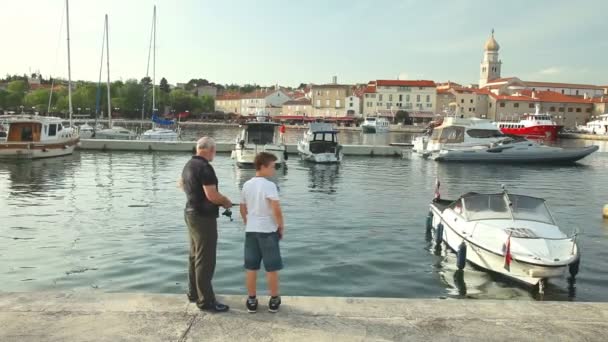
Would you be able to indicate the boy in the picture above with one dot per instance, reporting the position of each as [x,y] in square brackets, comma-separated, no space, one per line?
[261,212]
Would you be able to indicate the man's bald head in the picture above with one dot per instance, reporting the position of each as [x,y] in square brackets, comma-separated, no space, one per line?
[205,147]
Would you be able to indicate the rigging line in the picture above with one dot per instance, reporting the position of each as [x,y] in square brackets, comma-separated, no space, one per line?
[98,96]
[143,107]
[48,109]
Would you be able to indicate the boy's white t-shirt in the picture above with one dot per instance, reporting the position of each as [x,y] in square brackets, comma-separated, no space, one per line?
[256,195]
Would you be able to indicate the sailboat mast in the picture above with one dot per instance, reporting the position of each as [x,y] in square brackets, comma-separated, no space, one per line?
[67,13]
[108,71]
[154,64]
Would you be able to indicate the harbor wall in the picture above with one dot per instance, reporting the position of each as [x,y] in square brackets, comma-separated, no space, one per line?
[222,147]
[98,316]
[599,137]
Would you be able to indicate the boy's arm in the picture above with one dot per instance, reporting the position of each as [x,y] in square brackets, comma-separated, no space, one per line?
[243,208]
[277,213]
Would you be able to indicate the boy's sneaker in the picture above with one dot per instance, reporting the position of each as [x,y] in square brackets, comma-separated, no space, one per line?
[274,303]
[252,305]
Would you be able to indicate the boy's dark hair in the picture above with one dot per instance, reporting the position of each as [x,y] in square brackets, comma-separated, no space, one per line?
[263,159]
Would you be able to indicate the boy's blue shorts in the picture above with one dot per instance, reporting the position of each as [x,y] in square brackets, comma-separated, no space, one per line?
[262,246]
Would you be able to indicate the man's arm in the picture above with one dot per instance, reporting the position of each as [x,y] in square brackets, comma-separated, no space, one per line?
[243,208]
[215,197]
[277,213]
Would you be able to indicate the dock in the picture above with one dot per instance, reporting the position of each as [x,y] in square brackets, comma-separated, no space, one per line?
[225,147]
[599,137]
[97,316]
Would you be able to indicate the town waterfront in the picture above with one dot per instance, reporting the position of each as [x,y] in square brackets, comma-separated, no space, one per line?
[113,222]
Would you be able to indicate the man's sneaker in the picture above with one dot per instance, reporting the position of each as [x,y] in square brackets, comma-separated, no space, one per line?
[252,305]
[274,303]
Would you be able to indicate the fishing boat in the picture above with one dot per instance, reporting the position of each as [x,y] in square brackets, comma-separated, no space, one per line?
[599,126]
[159,130]
[534,126]
[34,136]
[375,125]
[512,235]
[479,140]
[255,137]
[320,144]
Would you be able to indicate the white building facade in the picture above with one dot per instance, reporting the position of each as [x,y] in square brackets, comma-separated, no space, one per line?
[267,101]
[387,97]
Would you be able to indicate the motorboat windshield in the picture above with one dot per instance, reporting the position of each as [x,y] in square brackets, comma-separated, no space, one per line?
[496,207]
[261,134]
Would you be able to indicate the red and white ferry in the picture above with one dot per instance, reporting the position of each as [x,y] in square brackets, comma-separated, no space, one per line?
[535,126]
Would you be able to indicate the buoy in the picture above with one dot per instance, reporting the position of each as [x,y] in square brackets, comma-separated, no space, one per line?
[439,234]
[461,256]
[574,267]
[605,212]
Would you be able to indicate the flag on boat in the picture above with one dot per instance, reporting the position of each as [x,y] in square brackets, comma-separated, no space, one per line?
[508,256]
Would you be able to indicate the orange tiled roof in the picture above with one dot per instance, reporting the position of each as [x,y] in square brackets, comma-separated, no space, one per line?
[405,83]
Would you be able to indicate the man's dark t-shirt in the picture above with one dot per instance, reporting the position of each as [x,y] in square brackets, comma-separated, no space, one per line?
[196,173]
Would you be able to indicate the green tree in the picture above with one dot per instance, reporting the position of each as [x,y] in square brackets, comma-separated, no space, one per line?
[19,86]
[164,85]
[207,104]
[3,96]
[40,99]
[181,100]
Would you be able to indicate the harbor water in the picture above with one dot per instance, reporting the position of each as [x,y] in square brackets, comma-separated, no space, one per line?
[101,221]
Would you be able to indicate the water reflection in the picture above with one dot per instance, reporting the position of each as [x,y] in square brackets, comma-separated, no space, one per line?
[31,177]
[323,177]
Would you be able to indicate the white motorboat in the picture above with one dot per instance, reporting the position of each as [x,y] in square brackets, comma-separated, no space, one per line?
[320,144]
[33,136]
[513,235]
[115,132]
[599,126]
[375,125]
[478,140]
[258,136]
[160,134]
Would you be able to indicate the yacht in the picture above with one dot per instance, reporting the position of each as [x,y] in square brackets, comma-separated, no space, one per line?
[599,126]
[258,136]
[33,136]
[513,235]
[115,132]
[375,125]
[320,144]
[478,140]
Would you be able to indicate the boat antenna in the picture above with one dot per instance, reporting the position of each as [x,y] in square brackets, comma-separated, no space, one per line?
[508,200]
[107,30]
[67,15]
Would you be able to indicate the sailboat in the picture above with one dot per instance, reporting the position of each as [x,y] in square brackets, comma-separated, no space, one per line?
[34,136]
[157,133]
[113,132]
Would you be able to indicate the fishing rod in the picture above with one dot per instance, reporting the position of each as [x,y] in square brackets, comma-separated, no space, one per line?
[228,212]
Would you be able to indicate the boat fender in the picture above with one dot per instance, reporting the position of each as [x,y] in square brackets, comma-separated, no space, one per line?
[439,234]
[285,156]
[605,211]
[574,267]
[429,220]
[461,256]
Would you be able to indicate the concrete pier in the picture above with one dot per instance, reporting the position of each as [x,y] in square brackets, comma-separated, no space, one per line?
[222,147]
[94,316]
[600,137]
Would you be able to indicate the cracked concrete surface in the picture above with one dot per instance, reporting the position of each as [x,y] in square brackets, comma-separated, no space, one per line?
[93,316]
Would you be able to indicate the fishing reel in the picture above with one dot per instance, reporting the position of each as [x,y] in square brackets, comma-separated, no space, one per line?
[228,214]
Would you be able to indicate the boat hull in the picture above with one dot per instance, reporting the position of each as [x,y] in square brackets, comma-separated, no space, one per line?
[244,157]
[368,129]
[37,150]
[546,132]
[564,156]
[521,271]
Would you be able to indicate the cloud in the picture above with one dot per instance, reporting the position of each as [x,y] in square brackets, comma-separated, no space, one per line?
[551,71]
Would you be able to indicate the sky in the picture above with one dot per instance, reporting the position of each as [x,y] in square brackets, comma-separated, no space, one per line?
[292,42]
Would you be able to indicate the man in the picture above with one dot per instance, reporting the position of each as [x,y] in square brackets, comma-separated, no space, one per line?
[282,131]
[202,209]
[261,212]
